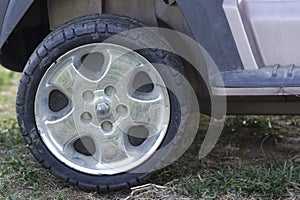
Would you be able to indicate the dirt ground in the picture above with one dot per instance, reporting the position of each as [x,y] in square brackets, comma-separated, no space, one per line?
[255,143]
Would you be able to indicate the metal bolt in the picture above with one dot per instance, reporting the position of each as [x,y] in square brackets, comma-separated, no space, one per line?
[169,2]
[102,108]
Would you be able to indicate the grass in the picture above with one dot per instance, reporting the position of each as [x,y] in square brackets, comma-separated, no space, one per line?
[256,157]
[268,181]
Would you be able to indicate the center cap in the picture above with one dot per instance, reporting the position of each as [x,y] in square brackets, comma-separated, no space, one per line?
[102,108]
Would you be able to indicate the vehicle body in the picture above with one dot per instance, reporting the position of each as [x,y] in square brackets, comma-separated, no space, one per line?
[253,43]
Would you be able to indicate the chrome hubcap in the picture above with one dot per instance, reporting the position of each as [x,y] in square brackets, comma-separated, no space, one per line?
[102,109]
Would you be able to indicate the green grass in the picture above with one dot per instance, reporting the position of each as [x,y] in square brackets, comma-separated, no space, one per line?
[252,159]
[268,181]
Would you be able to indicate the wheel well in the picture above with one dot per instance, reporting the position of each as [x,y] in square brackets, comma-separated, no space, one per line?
[44,16]
[30,31]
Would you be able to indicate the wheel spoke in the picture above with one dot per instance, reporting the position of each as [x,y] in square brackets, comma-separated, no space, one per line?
[118,70]
[62,130]
[109,144]
[147,112]
[143,125]
[111,147]
[69,80]
[65,79]
[147,98]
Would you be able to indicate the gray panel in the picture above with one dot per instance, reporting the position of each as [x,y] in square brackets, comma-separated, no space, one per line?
[15,11]
[208,23]
[3,7]
[270,76]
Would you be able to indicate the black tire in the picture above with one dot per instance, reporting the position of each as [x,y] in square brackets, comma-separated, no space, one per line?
[86,30]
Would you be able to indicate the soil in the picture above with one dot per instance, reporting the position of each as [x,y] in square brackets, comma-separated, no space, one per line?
[249,145]
[258,144]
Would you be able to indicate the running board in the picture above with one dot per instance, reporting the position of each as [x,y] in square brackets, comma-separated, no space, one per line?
[267,81]
[265,77]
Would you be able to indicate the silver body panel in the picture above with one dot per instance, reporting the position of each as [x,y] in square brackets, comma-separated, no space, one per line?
[266,31]
[271,91]
[232,11]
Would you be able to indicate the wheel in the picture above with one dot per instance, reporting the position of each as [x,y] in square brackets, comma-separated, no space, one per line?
[99,115]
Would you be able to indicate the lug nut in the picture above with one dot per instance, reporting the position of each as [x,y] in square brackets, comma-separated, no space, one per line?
[102,108]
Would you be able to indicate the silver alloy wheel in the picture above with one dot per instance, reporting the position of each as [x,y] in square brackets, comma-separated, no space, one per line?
[102,109]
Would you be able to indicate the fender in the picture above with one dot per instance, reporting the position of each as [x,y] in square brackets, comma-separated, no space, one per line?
[11,12]
[209,26]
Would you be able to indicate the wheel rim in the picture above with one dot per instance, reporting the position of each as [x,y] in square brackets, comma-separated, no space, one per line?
[102,109]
